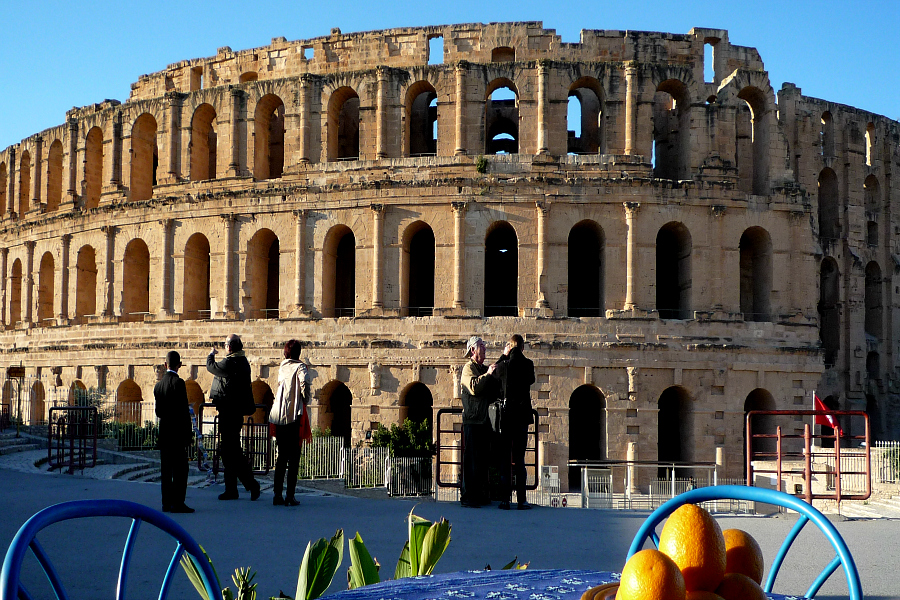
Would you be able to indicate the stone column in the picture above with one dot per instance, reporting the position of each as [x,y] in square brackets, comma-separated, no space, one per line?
[461,67]
[717,212]
[72,191]
[459,240]
[234,166]
[165,304]
[11,181]
[543,207]
[63,314]
[109,275]
[304,120]
[29,282]
[799,297]
[381,125]
[37,163]
[631,209]
[631,71]
[228,262]
[300,260]
[543,107]
[115,160]
[4,256]
[174,105]
[378,228]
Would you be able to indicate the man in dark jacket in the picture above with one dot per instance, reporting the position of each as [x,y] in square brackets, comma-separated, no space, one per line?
[518,376]
[175,434]
[233,398]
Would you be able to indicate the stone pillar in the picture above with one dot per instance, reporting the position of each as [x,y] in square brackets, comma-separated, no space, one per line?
[114,171]
[799,294]
[228,262]
[717,212]
[631,209]
[381,109]
[459,240]
[11,181]
[303,157]
[28,287]
[631,456]
[174,105]
[4,256]
[165,302]
[543,107]
[234,165]
[72,191]
[461,67]
[631,71]
[109,275]
[300,260]
[37,162]
[63,314]
[543,207]
[378,228]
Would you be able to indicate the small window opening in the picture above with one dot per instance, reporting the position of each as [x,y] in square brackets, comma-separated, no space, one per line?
[503,54]
[501,272]
[249,76]
[870,143]
[829,310]
[573,120]
[585,120]
[502,122]
[436,50]
[196,79]
[709,57]
[309,53]
[826,135]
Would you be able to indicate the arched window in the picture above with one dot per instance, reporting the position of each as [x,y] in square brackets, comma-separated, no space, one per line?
[15,293]
[85,282]
[586,270]
[144,157]
[671,130]
[826,135]
[873,208]
[24,183]
[585,117]
[93,167]
[587,429]
[756,274]
[268,146]
[421,119]
[417,271]
[135,281]
[501,118]
[203,143]
[248,76]
[874,302]
[335,401]
[416,404]
[3,187]
[753,161]
[763,448]
[501,271]
[339,273]
[54,176]
[674,430]
[829,215]
[78,394]
[262,398]
[45,289]
[37,412]
[196,278]
[194,395]
[870,143]
[128,402]
[829,311]
[673,272]
[263,275]
[343,124]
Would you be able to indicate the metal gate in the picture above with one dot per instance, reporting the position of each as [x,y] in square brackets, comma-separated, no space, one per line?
[255,440]
[72,437]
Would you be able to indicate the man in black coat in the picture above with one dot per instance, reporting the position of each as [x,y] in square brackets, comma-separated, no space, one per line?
[175,435]
[233,398]
[518,377]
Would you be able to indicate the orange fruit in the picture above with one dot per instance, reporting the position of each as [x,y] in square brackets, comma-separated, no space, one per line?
[692,538]
[736,586]
[650,575]
[743,554]
[702,595]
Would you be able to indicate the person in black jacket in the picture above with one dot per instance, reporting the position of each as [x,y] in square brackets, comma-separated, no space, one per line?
[175,435]
[233,398]
[517,374]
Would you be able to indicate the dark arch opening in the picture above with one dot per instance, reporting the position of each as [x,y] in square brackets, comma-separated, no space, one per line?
[873,302]
[587,429]
[675,437]
[421,114]
[420,256]
[269,138]
[673,272]
[586,270]
[585,117]
[334,410]
[263,268]
[756,274]
[196,278]
[418,404]
[829,214]
[829,310]
[501,274]
[763,448]
[136,284]
[671,130]
[339,273]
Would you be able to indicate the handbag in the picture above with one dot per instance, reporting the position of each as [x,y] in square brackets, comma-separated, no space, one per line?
[495,415]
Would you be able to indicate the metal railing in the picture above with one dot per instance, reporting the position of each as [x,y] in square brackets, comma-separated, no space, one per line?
[365,467]
[410,476]
[886,462]
[72,437]
[321,458]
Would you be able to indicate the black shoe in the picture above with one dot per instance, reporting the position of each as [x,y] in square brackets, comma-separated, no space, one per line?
[278,500]
[524,506]
[166,508]
[254,493]
[503,506]
[291,502]
[184,508]
[226,495]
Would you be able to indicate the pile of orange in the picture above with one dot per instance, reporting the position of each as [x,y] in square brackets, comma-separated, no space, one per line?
[696,560]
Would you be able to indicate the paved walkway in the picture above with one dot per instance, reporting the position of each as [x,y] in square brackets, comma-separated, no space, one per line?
[272,539]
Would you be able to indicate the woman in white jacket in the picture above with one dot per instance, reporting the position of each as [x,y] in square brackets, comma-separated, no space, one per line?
[287,408]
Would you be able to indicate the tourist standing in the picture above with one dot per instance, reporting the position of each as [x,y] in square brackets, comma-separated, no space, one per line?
[479,386]
[518,377]
[287,409]
[175,435]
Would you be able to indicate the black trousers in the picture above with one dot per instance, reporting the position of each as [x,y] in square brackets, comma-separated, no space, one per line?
[236,465]
[173,468]
[476,457]
[288,438]
[512,459]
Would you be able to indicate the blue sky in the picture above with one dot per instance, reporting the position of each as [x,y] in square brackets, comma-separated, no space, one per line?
[56,55]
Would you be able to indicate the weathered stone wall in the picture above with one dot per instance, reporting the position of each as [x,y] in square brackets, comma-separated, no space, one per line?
[219,193]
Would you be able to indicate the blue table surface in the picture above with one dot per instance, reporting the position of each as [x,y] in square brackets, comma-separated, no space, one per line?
[527,584]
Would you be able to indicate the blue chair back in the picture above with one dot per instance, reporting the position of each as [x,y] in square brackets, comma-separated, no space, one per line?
[11,587]
[739,492]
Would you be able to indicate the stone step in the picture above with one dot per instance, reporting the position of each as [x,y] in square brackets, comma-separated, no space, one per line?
[859,511]
[22,446]
[886,507]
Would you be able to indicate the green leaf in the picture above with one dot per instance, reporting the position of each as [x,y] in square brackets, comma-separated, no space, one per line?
[363,570]
[403,567]
[188,563]
[510,565]
[437,538]
[320,562]
[418,528]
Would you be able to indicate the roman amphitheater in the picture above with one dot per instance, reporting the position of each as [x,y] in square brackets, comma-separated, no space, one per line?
[678,242]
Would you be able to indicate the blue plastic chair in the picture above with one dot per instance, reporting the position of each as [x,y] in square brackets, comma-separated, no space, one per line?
[11,587]
[740,492]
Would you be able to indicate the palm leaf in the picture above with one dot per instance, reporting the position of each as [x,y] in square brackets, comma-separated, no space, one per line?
[437,538]
[320,562]
[403,567]
[363,570]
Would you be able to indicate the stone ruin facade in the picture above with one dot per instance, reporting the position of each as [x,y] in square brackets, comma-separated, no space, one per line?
[694,247]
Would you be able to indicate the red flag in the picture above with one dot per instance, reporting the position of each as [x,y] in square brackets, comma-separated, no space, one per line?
[828,420]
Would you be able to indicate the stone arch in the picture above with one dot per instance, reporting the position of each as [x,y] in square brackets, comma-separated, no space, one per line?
[826,135]
[339,272]
[37,413]
[144,157]
[870,143]
[763,448]
[501,271]
[587,429]
[417,271]
[268,135]
[54,176]
[93,167]
[416,404]
[501,117]
[78,395]
[262,396]
[135,281]
[587,94]
[195,301]
[874,302]
[335,401]
[753,162]
[756,274]
[675,428]
[24,183]
[128,402]
[343,124]
[15,293]
[248,76]
[586,270]
[195,395]
[421,113]
[203,146]
[85,282]
[673,271]
[46,289]
[3,188]
[829,309]
[671,130]
[829,209]
[263,260]
[872,192]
